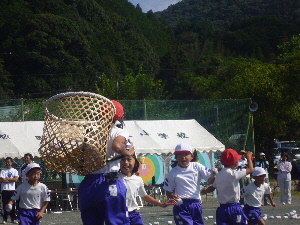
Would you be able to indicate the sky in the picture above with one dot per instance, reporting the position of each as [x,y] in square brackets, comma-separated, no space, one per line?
[155,5]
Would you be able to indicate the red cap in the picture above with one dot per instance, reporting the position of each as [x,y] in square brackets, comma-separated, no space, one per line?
[119,110]
[230,157]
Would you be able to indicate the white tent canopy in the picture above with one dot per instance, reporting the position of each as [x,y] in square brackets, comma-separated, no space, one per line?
[161,136]
[148,137]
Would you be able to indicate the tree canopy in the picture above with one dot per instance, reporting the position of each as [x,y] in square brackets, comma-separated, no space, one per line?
[196,49]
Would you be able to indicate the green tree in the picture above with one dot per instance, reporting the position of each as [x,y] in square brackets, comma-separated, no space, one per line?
[139,87]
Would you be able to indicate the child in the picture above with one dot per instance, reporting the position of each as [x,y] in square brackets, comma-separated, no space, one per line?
[284,179]
[183,181]
[253,194]
[227,184]
[135,186]
[34,197]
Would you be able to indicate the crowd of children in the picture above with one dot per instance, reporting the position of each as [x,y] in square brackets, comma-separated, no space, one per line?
[182,187]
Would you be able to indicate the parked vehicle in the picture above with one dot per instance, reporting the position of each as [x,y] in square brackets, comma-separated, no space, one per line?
[285,144]
[296,153]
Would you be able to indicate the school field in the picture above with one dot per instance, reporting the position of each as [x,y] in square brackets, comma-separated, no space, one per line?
[152,215]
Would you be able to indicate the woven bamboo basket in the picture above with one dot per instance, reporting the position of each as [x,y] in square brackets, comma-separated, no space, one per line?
[76,131]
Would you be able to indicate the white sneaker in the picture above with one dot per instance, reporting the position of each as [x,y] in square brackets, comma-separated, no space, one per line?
[289,203]
[283,203]
[4,222]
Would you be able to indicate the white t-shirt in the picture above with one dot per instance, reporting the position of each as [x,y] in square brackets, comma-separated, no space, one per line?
[31,197]
[253,194]
[227,185]
[113,166]
[185,182]
[8,173]
[135,187]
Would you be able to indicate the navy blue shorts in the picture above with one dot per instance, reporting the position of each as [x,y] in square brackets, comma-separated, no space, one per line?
[135,218]
[230,214]
[28,216]
[101,201]
[189,212]
[253,214]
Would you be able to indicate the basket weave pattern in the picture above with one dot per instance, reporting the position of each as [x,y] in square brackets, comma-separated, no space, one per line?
[76,130]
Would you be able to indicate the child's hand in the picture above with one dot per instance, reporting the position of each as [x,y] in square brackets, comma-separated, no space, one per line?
[170,202]
[175,197]
[248,155]
[39,215]
[8,207]
[203,191]
[213,172]
[273,203]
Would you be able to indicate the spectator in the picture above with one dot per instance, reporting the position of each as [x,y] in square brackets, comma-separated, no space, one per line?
[28,158]
[284,179]
[8,177]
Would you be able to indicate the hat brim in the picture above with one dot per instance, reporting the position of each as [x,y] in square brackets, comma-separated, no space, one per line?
[182,152]
[32,169]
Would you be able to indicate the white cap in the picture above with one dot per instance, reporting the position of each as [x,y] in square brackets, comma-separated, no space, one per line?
[183,148]
[31,166]
[258,171]
[260,154]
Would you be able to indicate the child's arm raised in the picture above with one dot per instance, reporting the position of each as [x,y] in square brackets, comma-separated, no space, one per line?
[153,201]
[250,168]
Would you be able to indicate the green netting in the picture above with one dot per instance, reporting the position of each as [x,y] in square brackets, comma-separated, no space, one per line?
[228,120]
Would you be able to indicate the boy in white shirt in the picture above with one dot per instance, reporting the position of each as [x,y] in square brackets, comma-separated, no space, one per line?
[230,211]
[183,181]
[34,197]
[253,194]
[8,177]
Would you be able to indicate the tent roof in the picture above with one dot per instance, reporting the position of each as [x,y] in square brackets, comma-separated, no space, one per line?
[148,137]
[19,138]
[161,136]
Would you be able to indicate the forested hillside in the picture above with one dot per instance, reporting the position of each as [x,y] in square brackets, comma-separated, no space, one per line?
[224,12]
[196,49]
[57,45]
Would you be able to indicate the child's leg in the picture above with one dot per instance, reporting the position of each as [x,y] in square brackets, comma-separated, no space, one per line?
[261,222]
[253,214]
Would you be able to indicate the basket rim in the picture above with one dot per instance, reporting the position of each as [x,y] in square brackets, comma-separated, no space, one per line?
[80,93]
